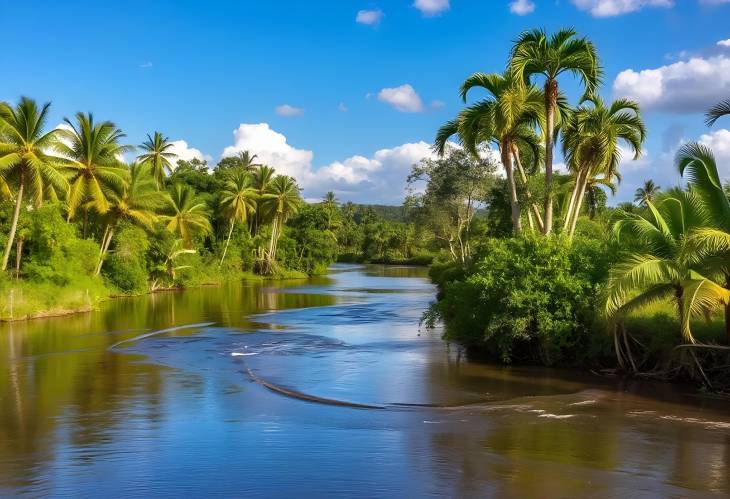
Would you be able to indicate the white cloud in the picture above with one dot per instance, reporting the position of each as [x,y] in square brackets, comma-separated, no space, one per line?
[287,110]
[403,98]
[522,7]
[724,43]
[690,86]
[183,151]
[431,8]
[608,8]
[719,142]
[369,17]
[341,107]
[378,178]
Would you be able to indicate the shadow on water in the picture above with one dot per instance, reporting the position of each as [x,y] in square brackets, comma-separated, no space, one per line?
[270,389]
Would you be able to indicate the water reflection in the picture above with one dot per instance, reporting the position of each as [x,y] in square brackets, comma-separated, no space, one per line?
[175,414]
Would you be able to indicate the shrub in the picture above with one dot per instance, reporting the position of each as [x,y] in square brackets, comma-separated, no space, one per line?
[125,267]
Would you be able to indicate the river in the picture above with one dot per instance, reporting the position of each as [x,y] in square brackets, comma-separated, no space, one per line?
[326,387]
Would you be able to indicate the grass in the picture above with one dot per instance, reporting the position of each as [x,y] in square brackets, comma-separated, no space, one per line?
[26,300]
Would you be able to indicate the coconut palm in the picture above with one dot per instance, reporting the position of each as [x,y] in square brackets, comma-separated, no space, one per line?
[158,156]
[25,160]
[664,267]
[96,165]
[262,177]
[247,161]
[282,198]
[592,140]
[709,246]
[137,201]
[238,201]
[535,53]
[717,111]
[186,214]
[646,192]
[505,119]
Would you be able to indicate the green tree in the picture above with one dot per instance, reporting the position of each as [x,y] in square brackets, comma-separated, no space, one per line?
[282,198]
[25,159]
[238,201]
[158,156]
[647,192]
[717,111]
[186,214]
[535,53]
[591,146]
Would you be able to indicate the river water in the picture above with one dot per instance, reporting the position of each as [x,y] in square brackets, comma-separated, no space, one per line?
[326,387]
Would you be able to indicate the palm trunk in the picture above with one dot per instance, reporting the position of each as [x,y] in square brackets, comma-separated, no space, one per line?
[578,204]
[571,203]
[14,224]
[228,241]
[18,256]
[523,177]
[273,237]
[104,249]
[551,97]
[514,203]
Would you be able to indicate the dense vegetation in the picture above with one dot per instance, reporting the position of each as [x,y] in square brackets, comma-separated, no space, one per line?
[645,286]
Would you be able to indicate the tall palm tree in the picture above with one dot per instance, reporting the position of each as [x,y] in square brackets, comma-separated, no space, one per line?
[282,197]
[709,246]
[186,214]
[506,119]
[663,269]
[158,156]
[238,201]
[25,161]
[247,161]
[535,53]
[717,111]
[647,192]
[96,166]
[137,201]
[591,145]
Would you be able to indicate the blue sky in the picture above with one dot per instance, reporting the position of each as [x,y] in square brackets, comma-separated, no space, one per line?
[346,94]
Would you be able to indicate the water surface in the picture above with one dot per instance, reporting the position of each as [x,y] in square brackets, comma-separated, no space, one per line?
[258,390]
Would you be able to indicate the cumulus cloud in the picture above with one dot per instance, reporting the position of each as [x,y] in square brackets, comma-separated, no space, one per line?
[719,142]
[724,43]
[609,8]
[183,151]
[287,110]
[431,8]
[377,178]
[522,7]
[690,86]
[369,17]
[403,98]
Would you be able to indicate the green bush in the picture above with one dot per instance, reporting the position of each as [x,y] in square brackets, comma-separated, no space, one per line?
[527,299]
[125,267]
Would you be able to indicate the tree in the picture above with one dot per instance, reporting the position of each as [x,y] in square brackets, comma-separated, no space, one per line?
[717,111]
[709,246]
[238,201]
[25,159]
[591,146]
[244,160]
[506,119]
[186,214]
[282,197]
[646,192]
[262,177]
[96,167]
[137,201]
[157,156]
[536,53]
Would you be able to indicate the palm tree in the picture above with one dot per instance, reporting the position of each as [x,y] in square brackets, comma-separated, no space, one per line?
[536,53]
[647,192]
[591,146]
[262,177]
[709,246]
[158,156]
[25,162]
[186,214]
[238,201]
[96,164]
[665,267]
[247,161]
[718,111]
[137,201]
[506,119]
[282,196]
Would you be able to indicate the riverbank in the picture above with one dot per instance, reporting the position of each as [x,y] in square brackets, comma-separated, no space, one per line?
[26,300]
